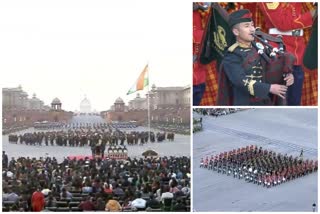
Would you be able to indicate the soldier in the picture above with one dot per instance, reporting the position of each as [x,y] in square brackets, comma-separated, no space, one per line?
[244,70]
[51,139]
[301,154]
[5,160]
[46,136]
[290,21]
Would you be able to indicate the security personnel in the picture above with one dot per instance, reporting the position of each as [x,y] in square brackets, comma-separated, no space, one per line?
[289,21]
[243,68]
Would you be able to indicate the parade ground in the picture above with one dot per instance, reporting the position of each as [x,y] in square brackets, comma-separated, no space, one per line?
[287,131]
[179,147]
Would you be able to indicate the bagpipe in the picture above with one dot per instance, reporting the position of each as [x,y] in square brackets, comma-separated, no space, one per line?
[277,61]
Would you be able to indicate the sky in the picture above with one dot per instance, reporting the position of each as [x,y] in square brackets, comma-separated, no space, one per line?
[72,49]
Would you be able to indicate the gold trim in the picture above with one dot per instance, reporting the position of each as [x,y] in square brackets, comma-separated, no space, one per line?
[243,45]
[257,67]
[252,76]
[250,86]
[298,22]
[238,44]
[233,47]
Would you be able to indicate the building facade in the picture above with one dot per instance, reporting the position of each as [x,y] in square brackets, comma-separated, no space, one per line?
[19,111]
[167,105]
[138,103]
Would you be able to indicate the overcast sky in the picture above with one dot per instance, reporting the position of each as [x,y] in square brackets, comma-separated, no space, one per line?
[68,49]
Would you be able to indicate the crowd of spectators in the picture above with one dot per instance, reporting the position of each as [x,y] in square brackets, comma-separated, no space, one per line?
[44,184]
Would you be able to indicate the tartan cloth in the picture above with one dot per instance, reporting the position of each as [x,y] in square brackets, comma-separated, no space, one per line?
[310,89]
[310,84]
[199,71]
[209,97]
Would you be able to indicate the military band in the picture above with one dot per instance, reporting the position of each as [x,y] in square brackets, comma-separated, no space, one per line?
[259,166]
[219,65]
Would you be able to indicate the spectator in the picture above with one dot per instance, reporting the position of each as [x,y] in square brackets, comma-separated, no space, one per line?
[87,204]
[139,202]
[166,193]
[51,201]
[11,196]
[133,176]
[99,205]
[65,194]
[113,206]
[37,200]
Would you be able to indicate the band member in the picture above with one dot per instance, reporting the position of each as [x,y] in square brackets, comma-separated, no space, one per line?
[199,70]
[244,68]
[290,21]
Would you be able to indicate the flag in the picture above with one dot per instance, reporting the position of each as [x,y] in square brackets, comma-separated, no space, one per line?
[310,58]
[218,36]
[142,81]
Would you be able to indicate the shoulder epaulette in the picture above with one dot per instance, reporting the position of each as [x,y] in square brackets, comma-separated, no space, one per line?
[273,5]
[232,47]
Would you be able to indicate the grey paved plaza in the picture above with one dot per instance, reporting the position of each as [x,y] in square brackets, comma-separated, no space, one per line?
[179,147]
[281,130]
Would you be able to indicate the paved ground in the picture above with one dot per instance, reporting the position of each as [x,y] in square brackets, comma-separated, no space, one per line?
[179,147]
[281,130]
[87,119]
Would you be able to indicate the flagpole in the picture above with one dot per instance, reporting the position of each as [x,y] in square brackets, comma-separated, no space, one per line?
[148,100]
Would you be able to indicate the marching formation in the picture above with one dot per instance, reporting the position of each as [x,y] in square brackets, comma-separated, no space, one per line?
[97,139]
[82,137]
[259,166]
[216,111]
[83,125]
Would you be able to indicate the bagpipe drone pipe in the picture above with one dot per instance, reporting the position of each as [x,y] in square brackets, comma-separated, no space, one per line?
[277,60]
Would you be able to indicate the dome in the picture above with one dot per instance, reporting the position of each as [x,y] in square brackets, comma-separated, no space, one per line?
[119,100]
[85,102]
[56,101]
[153,88]
[34,98]
[85,105]
[139,98]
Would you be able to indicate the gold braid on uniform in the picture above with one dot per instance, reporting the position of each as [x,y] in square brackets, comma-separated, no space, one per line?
[250,86]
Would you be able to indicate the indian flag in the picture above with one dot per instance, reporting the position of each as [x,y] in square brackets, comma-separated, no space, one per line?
[141,82]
